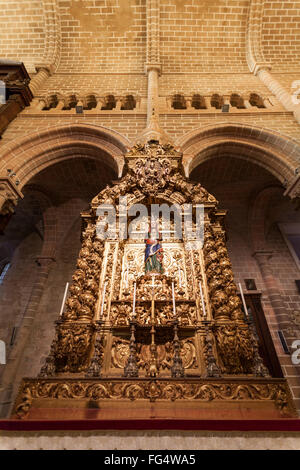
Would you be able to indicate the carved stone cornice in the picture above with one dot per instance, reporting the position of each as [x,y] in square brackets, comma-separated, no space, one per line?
[293,190]
[17,91]
[16,79]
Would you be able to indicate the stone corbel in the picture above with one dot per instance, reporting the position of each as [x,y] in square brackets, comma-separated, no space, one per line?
[293,190]
[9,196]
[261,66]
[48,68]
[138,101]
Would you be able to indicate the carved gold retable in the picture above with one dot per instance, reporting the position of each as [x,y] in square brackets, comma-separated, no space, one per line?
[213,346]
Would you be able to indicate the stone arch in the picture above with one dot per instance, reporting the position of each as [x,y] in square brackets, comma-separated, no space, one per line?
[269,149]
[28,155]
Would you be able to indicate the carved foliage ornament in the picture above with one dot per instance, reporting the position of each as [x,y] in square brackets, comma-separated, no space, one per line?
[165,353]
[222,289]
[164,316]
[153,390]
[153,168]
[235,347]
[84,289]
[73,347]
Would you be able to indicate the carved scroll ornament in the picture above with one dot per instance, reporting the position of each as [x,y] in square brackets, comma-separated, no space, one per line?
[154,390]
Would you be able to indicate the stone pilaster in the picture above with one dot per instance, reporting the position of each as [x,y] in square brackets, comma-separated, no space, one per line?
[273,287]
[153,69]
[153,15]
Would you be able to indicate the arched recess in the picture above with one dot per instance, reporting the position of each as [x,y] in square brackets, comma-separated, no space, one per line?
[34,214]
[258,223]
[275,152]
[29,155]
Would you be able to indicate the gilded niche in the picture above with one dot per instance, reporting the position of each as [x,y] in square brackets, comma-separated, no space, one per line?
[121,348]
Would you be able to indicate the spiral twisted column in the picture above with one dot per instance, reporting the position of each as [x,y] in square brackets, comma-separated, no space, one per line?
[235,342]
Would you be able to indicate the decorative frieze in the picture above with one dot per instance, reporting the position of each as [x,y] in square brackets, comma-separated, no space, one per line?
[225,391]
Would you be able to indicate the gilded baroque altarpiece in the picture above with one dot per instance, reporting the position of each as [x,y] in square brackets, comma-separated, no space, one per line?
[188,342]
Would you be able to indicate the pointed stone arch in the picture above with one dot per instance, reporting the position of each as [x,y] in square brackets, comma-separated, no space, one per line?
[29,155]
[269,149]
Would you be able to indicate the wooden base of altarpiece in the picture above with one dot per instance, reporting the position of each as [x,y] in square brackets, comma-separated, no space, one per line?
[188,399]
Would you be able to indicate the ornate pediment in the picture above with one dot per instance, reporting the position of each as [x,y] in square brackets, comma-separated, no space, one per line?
[154,170]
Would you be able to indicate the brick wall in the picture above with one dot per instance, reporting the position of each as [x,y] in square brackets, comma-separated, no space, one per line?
[203,36]
[22,31]
[66,83]
[208,84]
[22,273]
[177,124]
[62,270]
[128,124]
[103,51]
[103,35]
[281,34]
